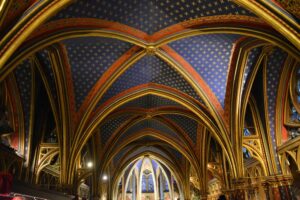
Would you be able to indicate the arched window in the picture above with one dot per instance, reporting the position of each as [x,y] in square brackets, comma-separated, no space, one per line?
[292,121]
[246,132]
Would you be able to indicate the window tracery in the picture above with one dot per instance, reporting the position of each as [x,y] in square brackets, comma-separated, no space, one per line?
[292,121]
[147,178]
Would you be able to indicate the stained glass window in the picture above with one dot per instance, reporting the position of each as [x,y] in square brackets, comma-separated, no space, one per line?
[246,153]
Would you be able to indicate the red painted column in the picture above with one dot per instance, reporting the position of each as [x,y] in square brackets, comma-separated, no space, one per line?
[278,187]
[285,192]
[275,193]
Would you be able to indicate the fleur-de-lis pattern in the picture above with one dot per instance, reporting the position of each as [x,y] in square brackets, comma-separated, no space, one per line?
[150,69]
[274,67]
[209,55]
[23,74]
[150,16]
[89,58]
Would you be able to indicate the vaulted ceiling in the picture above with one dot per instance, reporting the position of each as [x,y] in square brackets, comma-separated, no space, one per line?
[145,75]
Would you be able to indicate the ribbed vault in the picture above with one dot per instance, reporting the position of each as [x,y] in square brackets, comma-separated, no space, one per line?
[191,95]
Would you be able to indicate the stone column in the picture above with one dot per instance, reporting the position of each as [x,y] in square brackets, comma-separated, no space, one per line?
[160,188]
[123,189]
[134,192]
[172,187]
[275,194]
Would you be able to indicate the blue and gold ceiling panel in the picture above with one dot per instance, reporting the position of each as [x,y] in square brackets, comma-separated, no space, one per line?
[44,59]
[176,154]
[274,67]
[158,150]
[23,74]
[151,124]
[189,125]
[89,58]
[117,158]
[150,16]
[148,139]
[109,127]
[209,55]
[150,69]
[150,101]
[250,64]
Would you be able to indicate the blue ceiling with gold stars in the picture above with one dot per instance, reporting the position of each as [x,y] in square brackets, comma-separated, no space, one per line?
[119,155]
[202,60]
[150,69]
[188,125]
[275,65]
[148,124]
[175,154]
[209,55]
[150,16]
[89,58]
[110,127]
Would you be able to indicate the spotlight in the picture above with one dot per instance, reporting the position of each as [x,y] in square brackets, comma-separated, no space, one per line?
[104,177]
[89,164]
